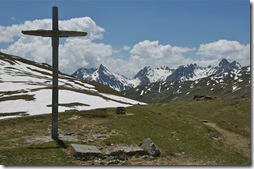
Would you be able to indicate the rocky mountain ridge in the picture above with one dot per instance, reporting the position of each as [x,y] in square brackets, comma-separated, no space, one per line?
[224,85]
[149,75]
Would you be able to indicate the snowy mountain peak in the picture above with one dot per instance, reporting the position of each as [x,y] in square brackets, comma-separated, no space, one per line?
[104,76]
[83,73]
[162,68]
[102,68]
[149,75]
[145,70]
[236,65]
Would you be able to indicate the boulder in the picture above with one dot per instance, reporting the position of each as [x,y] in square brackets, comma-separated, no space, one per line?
[149,146]
[120,110]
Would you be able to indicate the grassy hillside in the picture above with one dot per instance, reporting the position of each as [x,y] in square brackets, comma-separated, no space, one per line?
[184,131]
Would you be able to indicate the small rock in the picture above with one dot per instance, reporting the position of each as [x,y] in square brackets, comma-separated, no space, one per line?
[216,138]
[69,134]
[204,121]
[120,110]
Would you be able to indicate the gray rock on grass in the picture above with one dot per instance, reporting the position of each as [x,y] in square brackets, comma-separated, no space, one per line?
[149,146]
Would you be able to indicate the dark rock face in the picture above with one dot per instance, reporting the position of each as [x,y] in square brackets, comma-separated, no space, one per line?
[182,71]
[225,66]
[141,75]
[201,97]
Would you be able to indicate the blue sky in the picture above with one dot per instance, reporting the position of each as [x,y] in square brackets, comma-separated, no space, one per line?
[136,25]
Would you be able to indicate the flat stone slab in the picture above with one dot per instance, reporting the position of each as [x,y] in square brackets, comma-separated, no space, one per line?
[85,152]
[45,139]
[130,150]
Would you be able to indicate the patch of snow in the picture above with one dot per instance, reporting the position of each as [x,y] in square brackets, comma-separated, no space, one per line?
[248,68]
[240,80]
[235,88]
[178,91]
[159,89]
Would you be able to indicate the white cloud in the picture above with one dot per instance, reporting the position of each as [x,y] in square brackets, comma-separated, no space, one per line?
[126,48]
[83,24]
[148,53]
[8,33]
[155,54]
[73,52]
[32,48]
[78,52]
[231,50]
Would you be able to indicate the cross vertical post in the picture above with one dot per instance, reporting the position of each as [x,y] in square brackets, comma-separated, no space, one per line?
[55,45]
[55,34]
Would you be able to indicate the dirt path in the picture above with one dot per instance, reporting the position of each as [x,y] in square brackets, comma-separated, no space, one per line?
[240,143]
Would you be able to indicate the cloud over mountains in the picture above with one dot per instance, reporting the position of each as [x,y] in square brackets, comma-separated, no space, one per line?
[90,52]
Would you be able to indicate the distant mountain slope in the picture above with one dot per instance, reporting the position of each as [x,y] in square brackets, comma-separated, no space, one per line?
[25,89]
[104,76]
[148,75]
[227,84]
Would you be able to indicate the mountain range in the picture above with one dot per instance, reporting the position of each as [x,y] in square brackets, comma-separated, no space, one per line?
[149,75]
[25,89]
[234,84]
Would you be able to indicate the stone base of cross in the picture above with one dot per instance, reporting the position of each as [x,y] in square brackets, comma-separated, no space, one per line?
[55,34]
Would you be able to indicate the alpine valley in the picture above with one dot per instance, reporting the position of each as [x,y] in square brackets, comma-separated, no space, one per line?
[162,84]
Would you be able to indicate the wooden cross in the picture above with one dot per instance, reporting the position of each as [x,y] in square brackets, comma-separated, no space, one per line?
[55,34]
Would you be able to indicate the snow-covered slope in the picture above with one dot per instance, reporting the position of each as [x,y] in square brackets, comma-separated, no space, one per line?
[25,89]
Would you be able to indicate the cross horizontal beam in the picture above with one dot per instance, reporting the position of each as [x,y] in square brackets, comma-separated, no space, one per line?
[54,33]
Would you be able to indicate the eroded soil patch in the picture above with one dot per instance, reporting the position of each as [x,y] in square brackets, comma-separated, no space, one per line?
[240,143]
